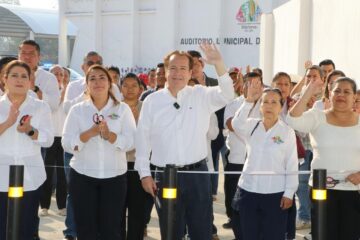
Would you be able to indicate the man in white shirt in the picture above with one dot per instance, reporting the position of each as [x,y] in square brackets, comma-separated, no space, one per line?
[172,126]
[46,86]
[75,91]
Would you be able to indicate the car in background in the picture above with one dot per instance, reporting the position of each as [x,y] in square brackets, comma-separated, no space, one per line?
[74,75]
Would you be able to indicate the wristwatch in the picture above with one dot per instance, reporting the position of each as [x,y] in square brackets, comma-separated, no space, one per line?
[36,89]
[31,132]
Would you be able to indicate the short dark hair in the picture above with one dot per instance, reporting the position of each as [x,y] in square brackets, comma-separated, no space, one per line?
[151,70]
[90,54]
[181,54]
[333,73]
[317,68]
[160,65]
[132,76]
[347,80]
[327,62]
[281,74]
[194,53]
[6,60]
[114,68]
[252,75]
[258,70]
[31,43]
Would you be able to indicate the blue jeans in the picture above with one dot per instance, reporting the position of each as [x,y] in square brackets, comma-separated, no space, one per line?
[193,204]
[69,219]
[303,189]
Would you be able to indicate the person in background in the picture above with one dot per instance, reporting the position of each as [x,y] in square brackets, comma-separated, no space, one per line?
[324,103]
[152,79]
[327,66]
[357,102]
[25,127]
[115,74]
[98,132]
[136,196]
[160,81]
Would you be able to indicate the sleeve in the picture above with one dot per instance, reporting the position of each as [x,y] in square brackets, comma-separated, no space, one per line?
[46,130]
[306,123]
[217,97]
[291,165]
[125,137]
[142,141]
[213,131]
[51,92]
[70,96]
[231,109]
[71,132]
[241,124]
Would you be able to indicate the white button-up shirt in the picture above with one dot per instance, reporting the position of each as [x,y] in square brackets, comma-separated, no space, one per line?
[234,142]
[272,151]
[75,93]
[19,149]
[49,86]
[97,157]
[178,136]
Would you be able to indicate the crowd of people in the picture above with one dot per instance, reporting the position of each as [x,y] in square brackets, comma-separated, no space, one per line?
[102,143]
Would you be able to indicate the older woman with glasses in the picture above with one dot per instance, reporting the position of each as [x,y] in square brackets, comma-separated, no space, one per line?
[335,137]
[261,200]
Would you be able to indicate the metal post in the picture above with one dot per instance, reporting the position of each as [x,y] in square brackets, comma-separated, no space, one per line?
[15,196]
[319,196]
[169,202]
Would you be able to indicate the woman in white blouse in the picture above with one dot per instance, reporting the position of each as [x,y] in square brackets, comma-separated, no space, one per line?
[25,127]
[335,137]
[98,132]
[261,199]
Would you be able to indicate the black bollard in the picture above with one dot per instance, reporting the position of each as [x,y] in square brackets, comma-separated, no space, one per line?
[169,202]
[319,195]
[15,196]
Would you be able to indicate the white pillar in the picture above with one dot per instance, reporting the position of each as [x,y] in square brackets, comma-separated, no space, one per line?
[63,49]
[31,35]
[267,47]
[97,26]
[305,36]
[135,33]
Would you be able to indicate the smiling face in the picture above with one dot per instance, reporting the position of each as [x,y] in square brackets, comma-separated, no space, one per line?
[98,82]
[29,54]
[178,72]
[17,81]
[342,96]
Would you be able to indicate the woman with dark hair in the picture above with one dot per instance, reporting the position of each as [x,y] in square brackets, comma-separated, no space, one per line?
[25,127]
[98,132]
[262,200]
[135,198]
[335,137]
[324,103]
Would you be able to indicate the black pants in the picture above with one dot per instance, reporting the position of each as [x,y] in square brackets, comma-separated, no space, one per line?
[230,185]
[29,210]
[342,215]
[135,205]
[54,157]
[98,206]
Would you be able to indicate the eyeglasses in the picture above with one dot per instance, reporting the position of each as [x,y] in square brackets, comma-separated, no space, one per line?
[97,119]
[90,63]
[331,182]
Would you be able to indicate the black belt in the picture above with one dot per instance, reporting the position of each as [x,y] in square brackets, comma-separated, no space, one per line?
[186,167]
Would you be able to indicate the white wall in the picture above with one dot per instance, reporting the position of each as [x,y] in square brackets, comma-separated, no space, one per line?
[315,30]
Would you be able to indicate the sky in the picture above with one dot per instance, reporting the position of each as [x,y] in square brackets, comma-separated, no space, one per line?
[49,4]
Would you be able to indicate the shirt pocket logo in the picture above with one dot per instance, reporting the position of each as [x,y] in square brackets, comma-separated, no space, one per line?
[277,140]
[113,116]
